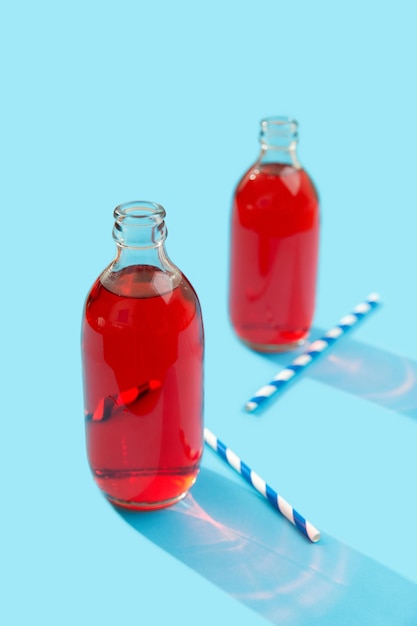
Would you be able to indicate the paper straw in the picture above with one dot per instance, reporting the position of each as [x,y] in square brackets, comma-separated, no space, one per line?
[316,349]
[261,486]
[105,407]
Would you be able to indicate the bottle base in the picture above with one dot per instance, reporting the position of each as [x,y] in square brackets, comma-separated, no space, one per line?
[145,506]
[272,348]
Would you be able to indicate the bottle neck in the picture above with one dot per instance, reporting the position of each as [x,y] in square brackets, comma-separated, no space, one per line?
[279,138]
[139,232]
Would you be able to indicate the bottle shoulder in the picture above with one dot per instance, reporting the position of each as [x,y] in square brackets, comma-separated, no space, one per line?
[279,180]
[136,297]
[142,283]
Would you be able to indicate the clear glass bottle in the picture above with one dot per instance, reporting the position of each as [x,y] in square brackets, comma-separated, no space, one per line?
[274,245]
[142,352]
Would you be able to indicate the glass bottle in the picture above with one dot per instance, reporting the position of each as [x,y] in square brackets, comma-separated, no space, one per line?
[142,352]
[274,245]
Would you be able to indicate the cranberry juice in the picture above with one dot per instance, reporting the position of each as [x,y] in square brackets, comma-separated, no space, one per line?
[274,248]
[143,354]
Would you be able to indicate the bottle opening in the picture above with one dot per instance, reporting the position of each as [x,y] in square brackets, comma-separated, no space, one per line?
[139,213]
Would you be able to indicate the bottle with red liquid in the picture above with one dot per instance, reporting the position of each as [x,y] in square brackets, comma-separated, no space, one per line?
[274,245]
[142,351]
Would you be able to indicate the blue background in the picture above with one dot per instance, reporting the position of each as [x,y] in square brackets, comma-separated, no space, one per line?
[105,102]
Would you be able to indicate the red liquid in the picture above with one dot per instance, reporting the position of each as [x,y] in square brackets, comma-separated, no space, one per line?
[274,248]
[143,355]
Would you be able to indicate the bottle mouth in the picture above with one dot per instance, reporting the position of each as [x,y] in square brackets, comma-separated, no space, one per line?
[279,122]
[139,213]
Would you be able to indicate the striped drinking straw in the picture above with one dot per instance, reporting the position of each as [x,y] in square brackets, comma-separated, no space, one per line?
[261,487]
[106,406]
[281,380]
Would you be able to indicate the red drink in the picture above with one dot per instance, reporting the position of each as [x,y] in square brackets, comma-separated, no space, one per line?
[143,352]
[274,248]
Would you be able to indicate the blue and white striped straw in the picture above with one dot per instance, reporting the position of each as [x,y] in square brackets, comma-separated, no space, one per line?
[315,350]
[261,487]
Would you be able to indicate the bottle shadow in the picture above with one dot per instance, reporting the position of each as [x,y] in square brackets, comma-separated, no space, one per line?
[228,535]
[357,368]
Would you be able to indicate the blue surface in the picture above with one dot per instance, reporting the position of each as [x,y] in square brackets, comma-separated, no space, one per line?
[223,535]
[103,103]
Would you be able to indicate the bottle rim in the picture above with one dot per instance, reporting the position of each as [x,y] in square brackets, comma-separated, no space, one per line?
[278,121]
[139,213]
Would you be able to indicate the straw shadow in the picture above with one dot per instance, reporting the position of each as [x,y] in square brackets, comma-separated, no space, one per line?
[227,534]
[375,375]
